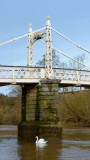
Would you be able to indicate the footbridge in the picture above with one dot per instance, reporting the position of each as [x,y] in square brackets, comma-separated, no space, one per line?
[30,74]
[26,75]
[40,114]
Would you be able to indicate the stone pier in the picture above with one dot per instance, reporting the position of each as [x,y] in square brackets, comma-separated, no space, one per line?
[40,112]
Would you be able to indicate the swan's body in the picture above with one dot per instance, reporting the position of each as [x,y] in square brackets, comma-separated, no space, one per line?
[40,141]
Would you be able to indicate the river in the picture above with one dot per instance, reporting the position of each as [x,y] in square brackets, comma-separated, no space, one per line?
[75,146]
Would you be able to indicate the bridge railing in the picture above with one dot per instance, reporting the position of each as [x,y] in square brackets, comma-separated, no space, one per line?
[22,72]
[71,74]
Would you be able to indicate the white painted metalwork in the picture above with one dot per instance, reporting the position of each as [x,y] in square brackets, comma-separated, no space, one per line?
[70,74]
[25,35]
[71,58]
[16,74]
[19,75]
[70,41]
[68,56]
[30,47]
[48,55]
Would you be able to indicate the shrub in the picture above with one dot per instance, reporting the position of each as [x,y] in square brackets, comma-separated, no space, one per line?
[75,107]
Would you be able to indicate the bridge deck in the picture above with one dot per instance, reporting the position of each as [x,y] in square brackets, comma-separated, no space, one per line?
[25,75]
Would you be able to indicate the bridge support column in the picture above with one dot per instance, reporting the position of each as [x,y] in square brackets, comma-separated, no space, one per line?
[30,48]
[40,112]
[48,55]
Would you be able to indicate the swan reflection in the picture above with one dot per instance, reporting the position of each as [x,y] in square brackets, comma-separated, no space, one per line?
[41,145]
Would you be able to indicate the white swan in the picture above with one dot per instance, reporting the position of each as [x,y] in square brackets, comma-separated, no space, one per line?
[40,141]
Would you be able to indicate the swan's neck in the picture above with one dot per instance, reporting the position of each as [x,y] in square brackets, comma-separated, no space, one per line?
[37,140]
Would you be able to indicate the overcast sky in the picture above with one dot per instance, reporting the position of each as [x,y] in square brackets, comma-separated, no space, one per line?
[69,17]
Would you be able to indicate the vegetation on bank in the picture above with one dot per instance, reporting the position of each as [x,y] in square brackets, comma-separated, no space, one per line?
[10,109]
[74,108]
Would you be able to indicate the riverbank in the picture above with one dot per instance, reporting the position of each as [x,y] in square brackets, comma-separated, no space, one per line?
[74,109]
[74,125]
[10,110]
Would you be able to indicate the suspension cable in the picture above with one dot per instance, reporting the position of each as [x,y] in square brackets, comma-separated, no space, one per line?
[71,58]
[14,51]
[68,56]
[21,36]
[39,29]
[14,39]
[70,41]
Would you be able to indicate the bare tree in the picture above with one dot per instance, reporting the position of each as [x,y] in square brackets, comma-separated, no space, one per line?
[75,65]
[55,61]
[15,90]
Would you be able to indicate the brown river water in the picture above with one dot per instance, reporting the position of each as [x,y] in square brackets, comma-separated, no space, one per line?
[75,146]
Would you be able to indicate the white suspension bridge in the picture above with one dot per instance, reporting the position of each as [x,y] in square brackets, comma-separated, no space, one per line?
[29,74]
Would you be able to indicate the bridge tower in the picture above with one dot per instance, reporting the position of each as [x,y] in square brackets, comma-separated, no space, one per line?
[40,115]
[48,55]
[30,48]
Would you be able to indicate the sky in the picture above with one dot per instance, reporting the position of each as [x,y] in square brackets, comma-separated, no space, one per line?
[69,17]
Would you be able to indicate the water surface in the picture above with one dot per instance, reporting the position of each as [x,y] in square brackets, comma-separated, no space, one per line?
[75,146]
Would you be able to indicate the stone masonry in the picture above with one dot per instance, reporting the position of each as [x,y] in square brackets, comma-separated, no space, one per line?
[40,115]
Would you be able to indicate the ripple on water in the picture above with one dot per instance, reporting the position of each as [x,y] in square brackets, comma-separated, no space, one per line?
[75,146]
